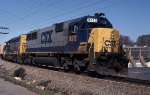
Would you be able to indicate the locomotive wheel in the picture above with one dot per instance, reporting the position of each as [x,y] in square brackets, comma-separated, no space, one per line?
[33,62]
[14,59]
[25,61]
[92,73]
[116,66]
[39,65]
[64,65]
[56,64]
[30,61]
[76,66]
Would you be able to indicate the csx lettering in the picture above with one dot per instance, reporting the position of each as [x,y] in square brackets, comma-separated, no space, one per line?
[46,37]
[110,43]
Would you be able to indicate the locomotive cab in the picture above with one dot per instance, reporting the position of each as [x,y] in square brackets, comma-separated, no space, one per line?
[95,35]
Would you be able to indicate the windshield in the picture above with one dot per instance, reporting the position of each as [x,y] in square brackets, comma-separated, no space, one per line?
[96,25]
[103,24]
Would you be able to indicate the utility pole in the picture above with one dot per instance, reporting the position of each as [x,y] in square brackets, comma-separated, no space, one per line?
[5,28]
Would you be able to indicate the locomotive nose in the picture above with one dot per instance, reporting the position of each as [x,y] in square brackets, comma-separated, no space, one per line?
[105,51]
[104,40]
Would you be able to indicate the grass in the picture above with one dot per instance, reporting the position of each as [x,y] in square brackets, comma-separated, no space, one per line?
[29,87]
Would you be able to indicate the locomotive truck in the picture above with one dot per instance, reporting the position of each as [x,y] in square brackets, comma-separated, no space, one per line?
[87,43]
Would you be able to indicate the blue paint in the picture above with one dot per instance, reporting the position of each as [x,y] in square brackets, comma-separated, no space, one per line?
[79,28]
[66,48]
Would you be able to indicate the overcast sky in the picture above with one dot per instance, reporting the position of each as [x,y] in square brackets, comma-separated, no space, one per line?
[130,17]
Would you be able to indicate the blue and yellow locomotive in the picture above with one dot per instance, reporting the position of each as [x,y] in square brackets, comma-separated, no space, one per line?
[87,43]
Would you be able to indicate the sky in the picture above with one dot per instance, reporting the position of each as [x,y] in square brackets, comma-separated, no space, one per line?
[130,17]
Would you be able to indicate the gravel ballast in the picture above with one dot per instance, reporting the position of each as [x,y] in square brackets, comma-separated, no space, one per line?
[62,83]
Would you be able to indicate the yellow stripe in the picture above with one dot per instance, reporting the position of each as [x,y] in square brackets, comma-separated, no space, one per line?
[83,43]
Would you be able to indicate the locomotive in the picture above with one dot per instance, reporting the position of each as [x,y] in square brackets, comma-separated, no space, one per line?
[87,43]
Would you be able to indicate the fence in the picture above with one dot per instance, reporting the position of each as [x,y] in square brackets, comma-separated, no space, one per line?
[139,50]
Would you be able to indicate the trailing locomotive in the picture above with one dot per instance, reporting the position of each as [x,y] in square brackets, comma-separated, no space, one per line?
[15,48]
[87,43]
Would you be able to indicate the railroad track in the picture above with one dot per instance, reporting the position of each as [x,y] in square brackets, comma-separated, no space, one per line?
[126,79]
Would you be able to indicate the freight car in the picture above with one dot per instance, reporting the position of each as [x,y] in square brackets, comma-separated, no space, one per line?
[87,43]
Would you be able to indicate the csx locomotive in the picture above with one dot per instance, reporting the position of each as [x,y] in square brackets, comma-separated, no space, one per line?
[87,43]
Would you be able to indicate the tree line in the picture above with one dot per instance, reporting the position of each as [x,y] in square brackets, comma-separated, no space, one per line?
[143,40]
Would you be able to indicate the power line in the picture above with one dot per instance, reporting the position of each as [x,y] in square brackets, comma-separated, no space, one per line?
[116,3]
[48,5]
[72,5]
[17,14]
[110,5]
[36,11]
[68,12]
[53,5]
[6,12]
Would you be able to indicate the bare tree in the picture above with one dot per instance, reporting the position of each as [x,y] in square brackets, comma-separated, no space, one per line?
[143,40]
[125,40]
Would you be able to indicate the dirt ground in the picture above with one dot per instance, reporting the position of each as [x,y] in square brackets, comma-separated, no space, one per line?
[63,83]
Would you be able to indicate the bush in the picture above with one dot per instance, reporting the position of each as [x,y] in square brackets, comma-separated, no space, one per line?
[20,72]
